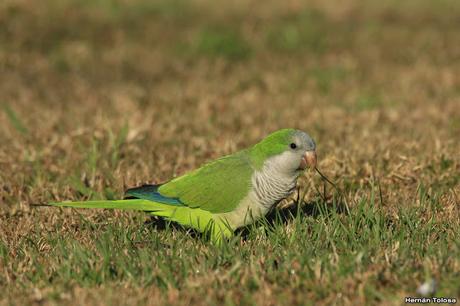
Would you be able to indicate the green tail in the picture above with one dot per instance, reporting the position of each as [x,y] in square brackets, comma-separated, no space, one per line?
[196,218]
[131,204]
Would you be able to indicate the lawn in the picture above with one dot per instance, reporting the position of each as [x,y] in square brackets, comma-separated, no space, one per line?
[98,96]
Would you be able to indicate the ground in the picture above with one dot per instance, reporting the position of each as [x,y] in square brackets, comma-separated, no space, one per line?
[98,96]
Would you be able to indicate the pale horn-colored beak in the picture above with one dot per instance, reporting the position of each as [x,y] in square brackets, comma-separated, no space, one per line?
[308,160]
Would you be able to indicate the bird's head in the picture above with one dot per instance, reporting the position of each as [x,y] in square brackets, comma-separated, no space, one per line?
[288,150]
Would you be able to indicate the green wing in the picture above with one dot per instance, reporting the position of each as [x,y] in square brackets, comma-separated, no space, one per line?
[217,187]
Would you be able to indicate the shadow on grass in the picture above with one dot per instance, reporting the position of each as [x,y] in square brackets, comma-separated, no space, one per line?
[275,216]
[312,209]
[288,214]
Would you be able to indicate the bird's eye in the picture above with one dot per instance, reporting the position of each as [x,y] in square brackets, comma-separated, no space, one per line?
[293,146]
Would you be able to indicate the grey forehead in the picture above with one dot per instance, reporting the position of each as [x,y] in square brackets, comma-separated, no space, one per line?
[305,139]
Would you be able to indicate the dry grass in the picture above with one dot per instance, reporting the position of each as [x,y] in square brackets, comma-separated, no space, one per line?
[98,96]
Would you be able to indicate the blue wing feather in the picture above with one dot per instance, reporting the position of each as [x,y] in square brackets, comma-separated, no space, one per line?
[150,192]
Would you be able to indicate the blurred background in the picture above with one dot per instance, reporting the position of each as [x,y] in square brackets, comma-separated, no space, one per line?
[124,91]
[97,96]
[375,83]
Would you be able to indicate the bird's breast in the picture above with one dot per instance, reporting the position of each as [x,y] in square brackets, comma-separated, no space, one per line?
[266,190]
[247,211]
[270,188]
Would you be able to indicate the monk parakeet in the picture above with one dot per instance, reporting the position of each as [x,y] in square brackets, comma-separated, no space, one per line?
[227,193]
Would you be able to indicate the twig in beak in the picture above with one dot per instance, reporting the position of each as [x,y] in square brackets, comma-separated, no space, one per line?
[335,187]
[326,179]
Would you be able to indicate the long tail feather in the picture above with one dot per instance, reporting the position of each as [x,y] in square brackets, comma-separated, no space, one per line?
[131,204]
[193,217]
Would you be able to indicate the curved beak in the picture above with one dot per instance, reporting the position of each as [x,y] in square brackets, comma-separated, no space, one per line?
[308,160]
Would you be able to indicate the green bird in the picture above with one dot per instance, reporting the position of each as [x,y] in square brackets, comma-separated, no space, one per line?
[228,193]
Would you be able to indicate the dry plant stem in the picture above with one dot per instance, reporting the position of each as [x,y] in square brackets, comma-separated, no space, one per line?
[340,193]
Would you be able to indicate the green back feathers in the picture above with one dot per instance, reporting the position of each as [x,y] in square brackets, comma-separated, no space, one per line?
[217,187]
[274,144]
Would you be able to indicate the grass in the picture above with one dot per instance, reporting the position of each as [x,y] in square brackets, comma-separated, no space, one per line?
[14,120]
[299,32]
[221,43]
[99,96]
